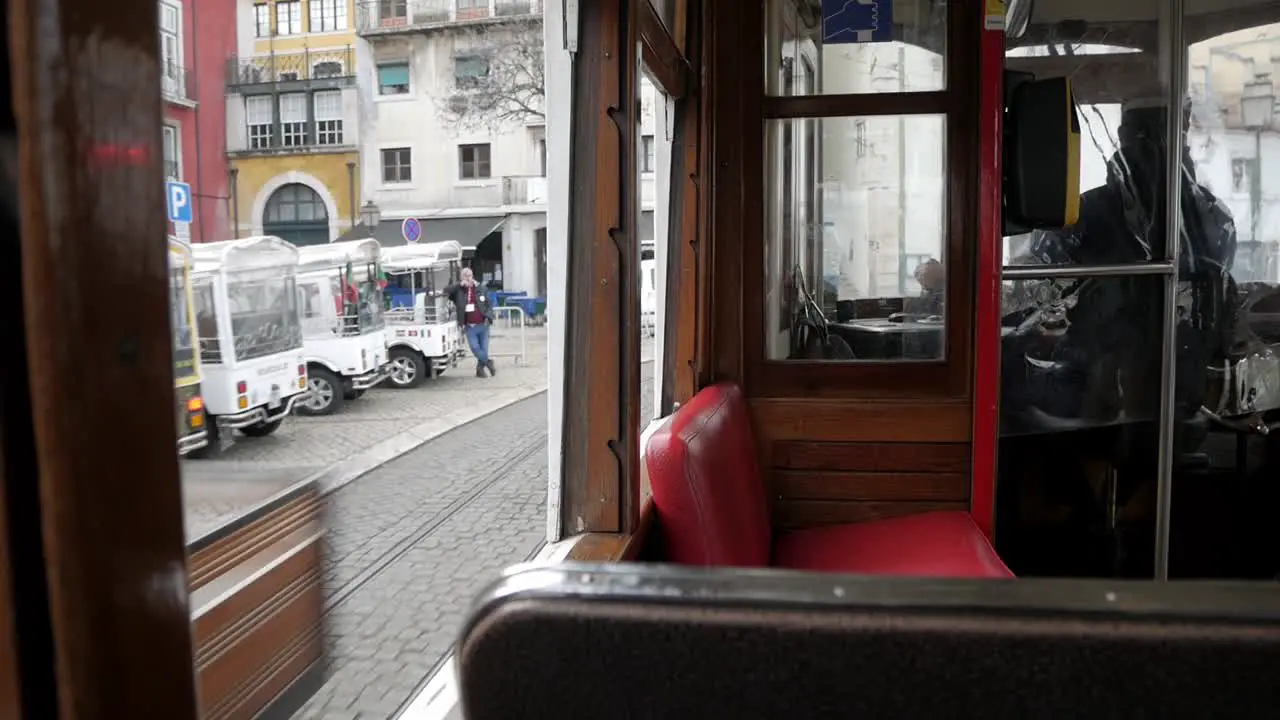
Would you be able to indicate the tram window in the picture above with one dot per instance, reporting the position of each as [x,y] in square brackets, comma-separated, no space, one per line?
[854,241]
[883,47]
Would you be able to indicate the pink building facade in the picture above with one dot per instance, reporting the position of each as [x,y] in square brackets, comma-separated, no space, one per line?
[193,85]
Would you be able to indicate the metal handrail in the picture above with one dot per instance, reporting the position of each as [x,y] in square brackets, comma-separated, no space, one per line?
[1046,272]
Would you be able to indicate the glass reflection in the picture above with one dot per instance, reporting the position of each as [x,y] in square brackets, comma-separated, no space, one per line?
[861,47]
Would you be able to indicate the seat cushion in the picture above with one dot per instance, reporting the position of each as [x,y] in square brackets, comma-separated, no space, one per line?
[708,493]
[935,544]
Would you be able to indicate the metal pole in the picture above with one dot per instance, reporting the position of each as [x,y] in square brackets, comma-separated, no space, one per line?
[1173,233]
[1041,272]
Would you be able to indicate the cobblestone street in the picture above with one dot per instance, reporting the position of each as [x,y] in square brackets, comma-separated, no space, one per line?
[409,547]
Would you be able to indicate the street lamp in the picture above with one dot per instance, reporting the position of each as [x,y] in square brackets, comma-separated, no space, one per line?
[370,216]
[1257,109]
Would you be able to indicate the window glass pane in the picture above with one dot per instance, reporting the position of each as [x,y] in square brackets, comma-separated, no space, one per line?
[293,107]
[854,250]
[258,110]
[849,46]
[328,105]
[393,79]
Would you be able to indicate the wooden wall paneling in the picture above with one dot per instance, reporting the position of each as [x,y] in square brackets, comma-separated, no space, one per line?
[803,419]
[95,280]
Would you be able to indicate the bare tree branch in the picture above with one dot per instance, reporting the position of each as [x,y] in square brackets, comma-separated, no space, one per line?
[499,77]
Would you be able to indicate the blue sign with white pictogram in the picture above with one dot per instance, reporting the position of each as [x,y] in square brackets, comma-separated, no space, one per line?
[856,21]
[179,201]
[411,229]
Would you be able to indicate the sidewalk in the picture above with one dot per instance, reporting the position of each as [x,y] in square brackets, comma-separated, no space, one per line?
[364,434]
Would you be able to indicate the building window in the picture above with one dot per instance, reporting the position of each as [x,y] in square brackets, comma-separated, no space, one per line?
[393,79]
[293,120]
[469,70]
[171,47]
[473,161]
[328,15]
[1240,169]
[328,109]
[646,153]
[262,20]
[397,166]
[542,157]
[393,10]
[259,117]
[288,17]
[172,153]
[471,9]
[860,137]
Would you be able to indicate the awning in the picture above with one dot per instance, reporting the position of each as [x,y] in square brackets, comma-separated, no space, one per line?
[467,231]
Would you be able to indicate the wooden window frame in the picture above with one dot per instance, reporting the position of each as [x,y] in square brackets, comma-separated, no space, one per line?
[948,378]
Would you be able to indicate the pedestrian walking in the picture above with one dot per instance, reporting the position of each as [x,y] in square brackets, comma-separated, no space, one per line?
[475,316]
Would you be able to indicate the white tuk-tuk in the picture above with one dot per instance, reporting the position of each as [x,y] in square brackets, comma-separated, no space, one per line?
[422,329]
[192,433]
[250,336]
[343,327]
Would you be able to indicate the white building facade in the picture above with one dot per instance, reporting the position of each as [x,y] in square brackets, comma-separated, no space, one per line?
[453,125]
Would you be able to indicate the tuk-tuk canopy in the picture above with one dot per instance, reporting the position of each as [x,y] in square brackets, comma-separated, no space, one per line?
[255,253]
[410,258]
[324,258]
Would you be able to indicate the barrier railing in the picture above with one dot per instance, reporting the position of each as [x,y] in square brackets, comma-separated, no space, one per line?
[510,310]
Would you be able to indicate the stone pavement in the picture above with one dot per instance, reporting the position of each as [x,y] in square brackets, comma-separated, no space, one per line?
[410,545]
[384,421]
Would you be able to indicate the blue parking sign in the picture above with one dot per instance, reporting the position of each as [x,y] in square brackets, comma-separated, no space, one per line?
[179,201]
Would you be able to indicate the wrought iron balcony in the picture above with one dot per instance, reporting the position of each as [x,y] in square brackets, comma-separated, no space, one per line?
[303,70]
[175,83]
[383,17]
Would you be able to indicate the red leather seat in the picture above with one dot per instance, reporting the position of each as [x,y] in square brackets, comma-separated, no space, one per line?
[711,507]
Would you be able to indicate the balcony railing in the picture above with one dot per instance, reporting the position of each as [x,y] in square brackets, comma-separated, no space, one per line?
[390,16]
[524,190]
[333,67]
[175,82]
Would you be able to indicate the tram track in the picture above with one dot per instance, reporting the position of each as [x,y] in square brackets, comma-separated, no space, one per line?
[431,525]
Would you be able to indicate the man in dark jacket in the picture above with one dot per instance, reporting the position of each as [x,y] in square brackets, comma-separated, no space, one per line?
[474,318]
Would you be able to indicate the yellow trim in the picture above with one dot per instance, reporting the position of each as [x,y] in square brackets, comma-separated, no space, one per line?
[1072,207]
[182,253]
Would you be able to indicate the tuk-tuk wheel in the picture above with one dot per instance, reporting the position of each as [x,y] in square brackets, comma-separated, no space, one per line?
[408,368]
[326,392]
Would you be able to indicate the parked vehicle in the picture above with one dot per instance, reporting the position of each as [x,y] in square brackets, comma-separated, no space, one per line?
[422,327]
[192,432]
[343,323]
[250,336]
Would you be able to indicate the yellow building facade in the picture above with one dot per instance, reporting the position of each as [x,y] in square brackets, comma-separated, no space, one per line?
[293,120]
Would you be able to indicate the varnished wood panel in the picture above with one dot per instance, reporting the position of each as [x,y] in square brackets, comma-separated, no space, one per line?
[258,606]
[776,419]
[879,457]
[222,551]
[796,514]
[843,486]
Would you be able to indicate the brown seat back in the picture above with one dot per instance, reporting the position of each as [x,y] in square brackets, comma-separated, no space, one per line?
[641,641]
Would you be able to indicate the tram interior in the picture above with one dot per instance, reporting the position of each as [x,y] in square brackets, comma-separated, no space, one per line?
[860,259]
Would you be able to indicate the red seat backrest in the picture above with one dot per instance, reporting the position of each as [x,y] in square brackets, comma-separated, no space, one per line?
[707,488]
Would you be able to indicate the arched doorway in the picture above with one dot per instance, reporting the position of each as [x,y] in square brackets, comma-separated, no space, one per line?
[487,261]
[296,213]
